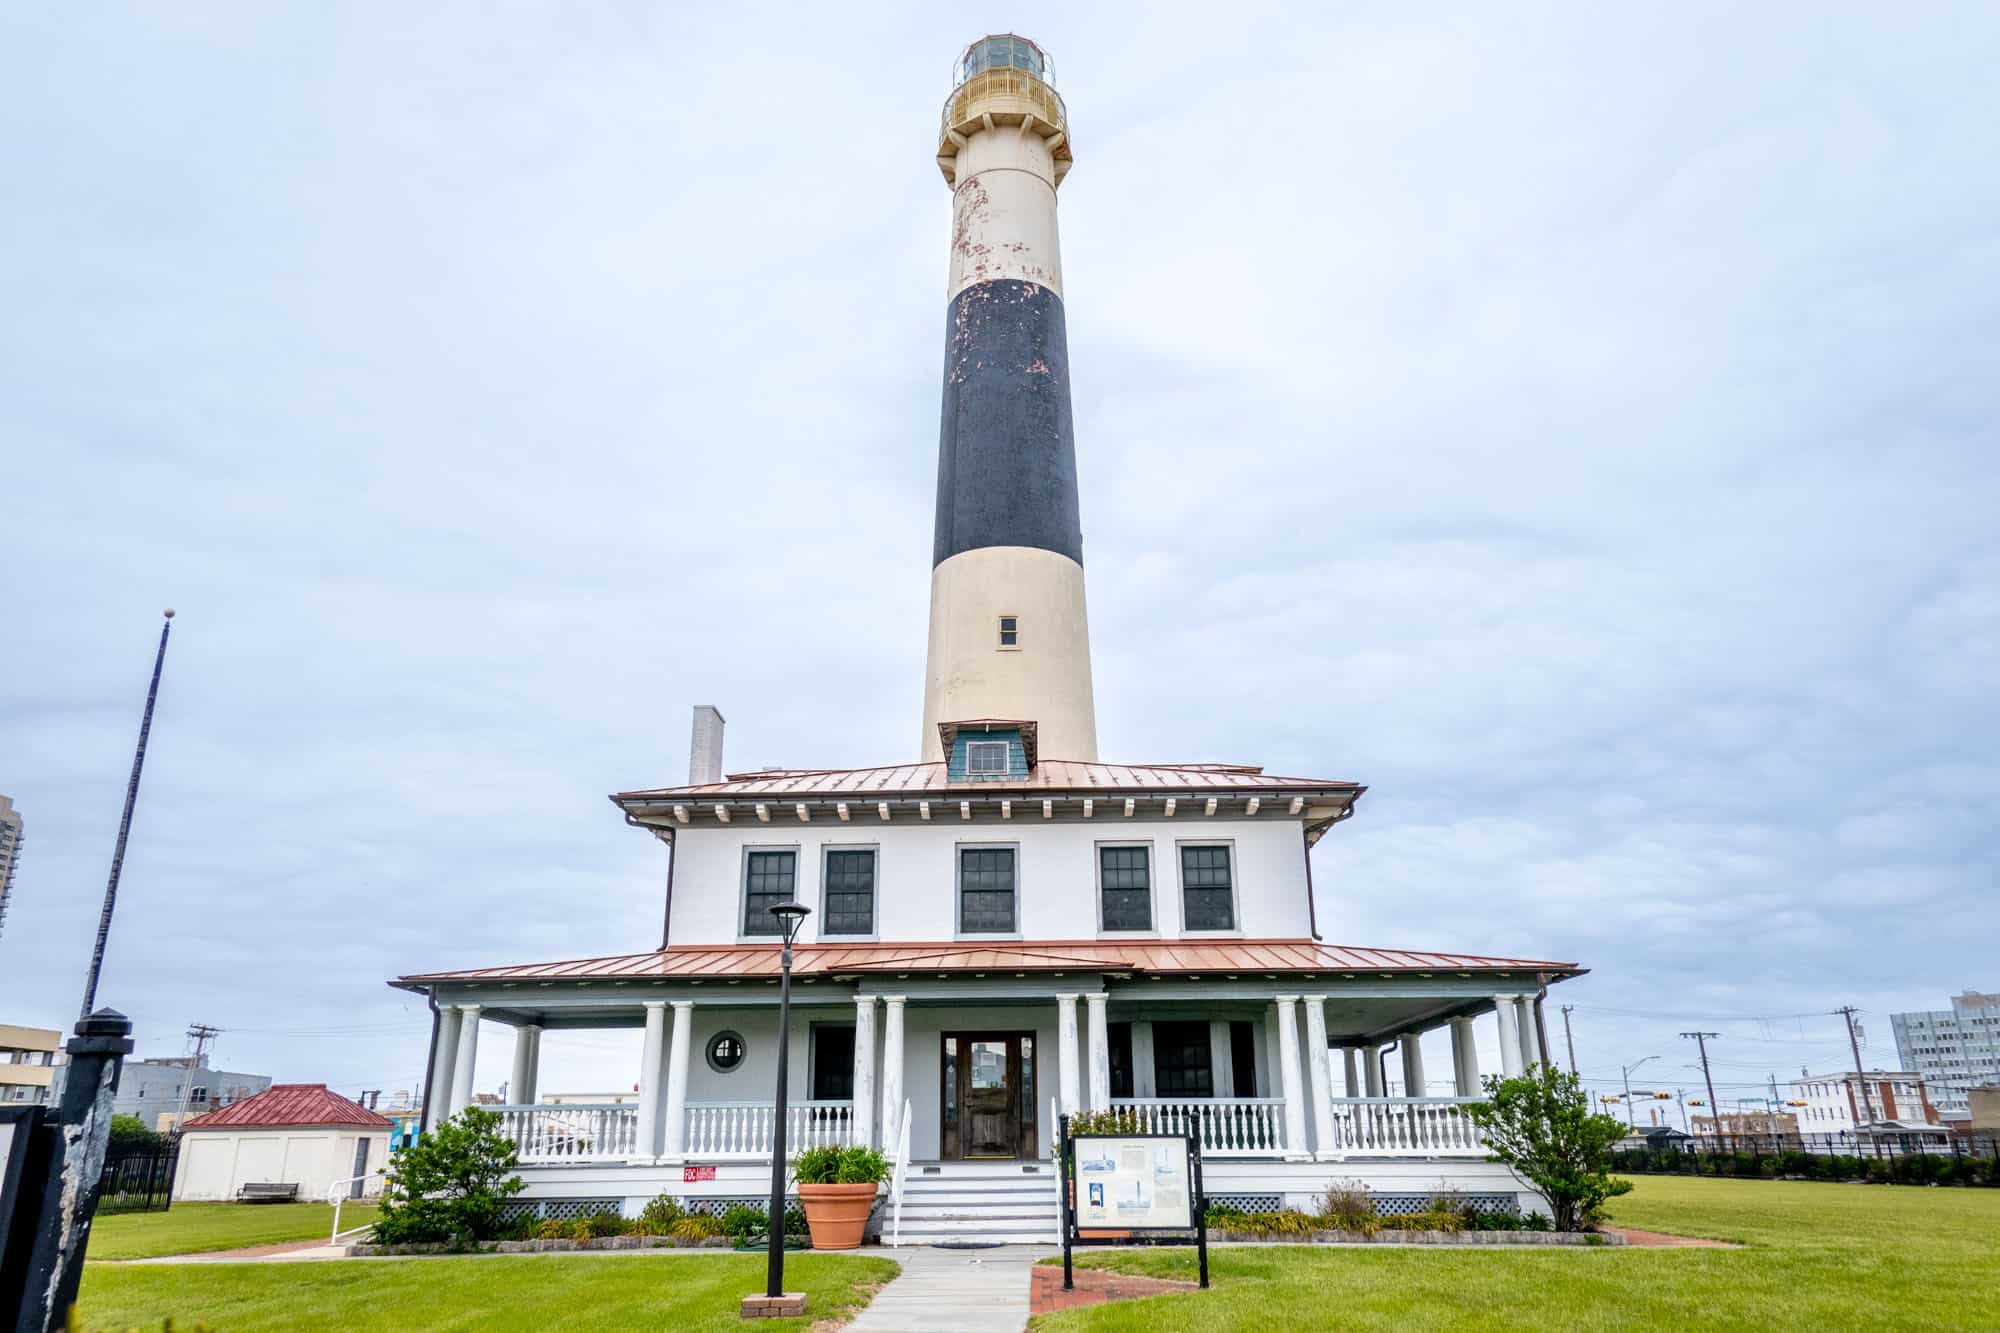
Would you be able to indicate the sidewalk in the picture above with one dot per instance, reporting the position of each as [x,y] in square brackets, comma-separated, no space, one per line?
[966,1291]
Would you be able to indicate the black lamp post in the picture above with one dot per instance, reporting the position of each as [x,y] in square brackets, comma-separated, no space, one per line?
[790,917]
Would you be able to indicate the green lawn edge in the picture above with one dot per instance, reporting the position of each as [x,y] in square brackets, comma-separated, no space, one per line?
[201,1228]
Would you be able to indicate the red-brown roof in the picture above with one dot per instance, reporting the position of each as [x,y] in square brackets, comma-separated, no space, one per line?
[1050,775]
[690,962]
[286,1104]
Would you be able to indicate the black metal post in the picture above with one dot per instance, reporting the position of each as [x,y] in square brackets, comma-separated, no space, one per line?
[774,1269]
[74,1143]
[1200,1201]
[790,916]
[124,827]
[1067,1185]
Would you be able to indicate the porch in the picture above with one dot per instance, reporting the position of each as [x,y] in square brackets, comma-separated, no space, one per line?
[957,1071]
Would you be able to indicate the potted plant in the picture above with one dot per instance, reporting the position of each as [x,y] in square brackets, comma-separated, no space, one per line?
[837,1188]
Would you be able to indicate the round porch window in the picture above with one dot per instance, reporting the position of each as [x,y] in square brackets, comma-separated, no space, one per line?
[725,1051]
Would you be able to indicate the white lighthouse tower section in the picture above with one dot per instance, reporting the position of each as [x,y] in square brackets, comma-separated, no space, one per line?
[1044,677]
[1004,210]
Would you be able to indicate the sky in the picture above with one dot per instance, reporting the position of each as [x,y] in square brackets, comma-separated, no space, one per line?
[1575,423]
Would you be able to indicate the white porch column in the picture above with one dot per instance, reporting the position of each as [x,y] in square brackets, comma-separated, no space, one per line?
[1510,1034]
[1066,1057]
[1288,1071]
[1371,1071]
[521,1083]
[1413,1064]
[648,1142]
[674,1127]
[468,1057]
[1100,1054]
[863,1130]
[1319,1068]
[892,1071]
[437,1095]
[1353,1071]
[1464,1059]
[1531,1036]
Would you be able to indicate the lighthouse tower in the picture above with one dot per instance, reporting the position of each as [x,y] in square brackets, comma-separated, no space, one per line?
[1009,637]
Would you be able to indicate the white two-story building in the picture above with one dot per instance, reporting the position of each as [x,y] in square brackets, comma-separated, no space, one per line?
[1008,930]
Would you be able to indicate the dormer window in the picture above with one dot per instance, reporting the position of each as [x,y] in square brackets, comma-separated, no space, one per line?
[1010,631]
[986,759]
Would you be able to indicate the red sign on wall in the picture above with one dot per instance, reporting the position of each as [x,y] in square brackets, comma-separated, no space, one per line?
[693,1173]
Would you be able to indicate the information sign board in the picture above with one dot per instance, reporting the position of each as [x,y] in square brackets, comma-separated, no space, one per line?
[1134,1184]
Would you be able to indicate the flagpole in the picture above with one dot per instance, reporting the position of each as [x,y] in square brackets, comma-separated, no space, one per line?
[125,823]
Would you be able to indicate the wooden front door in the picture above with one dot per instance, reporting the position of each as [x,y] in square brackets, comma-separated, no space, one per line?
[988,1095]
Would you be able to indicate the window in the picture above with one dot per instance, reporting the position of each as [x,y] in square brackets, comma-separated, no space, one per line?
[725,1051]
[833,1062]
[1125,886]
[986,890]
[1243,1059]
[1181,1060]
[986,759]
[1208,893]
[848,907]
[1010,631]
[769,878]
[1118,1043]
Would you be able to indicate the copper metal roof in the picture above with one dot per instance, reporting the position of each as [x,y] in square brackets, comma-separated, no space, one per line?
[1049,775]
[287,1104]
[1179,957]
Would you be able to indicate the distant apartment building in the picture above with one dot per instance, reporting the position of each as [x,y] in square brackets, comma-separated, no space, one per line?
[151,1090]
[1745,1125]
[10,854]
[1844,1102]
[28,1061]
[1955,1049]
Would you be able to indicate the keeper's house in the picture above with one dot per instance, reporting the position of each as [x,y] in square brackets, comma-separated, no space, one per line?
[1009,929]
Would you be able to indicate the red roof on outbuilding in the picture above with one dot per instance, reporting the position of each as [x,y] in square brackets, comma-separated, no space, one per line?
[286,1104]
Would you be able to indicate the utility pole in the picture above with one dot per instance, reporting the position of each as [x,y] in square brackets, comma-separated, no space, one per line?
[125,824]
[201,1034]
[1680,1095]
[1701,1040]
[1847,1011]
[1569,1040]
[1771,1121]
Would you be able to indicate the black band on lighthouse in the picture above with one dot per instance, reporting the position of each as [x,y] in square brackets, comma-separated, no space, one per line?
[1006,451]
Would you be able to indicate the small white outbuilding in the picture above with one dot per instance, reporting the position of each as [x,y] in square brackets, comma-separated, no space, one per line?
[290,1134]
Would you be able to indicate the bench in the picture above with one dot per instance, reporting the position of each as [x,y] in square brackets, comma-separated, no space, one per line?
[270,1192]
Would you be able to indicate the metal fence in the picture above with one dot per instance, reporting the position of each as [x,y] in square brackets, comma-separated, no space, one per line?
[1886,1158]
[138,1182]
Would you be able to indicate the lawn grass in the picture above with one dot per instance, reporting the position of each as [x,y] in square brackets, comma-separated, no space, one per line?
[195,1228]
[685,1292]
[1816,1256]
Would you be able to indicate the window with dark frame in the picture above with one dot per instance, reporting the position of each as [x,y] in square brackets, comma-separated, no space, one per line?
[1208,897]
[986,759]
[986,890]
[769,878]
[1118,1043]
[833,1062]
[849,908]
[1243,1058]
[1125,881]
[1181,1064]
[1010,632]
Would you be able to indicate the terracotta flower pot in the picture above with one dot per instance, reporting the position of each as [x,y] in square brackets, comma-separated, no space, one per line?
[837,1214]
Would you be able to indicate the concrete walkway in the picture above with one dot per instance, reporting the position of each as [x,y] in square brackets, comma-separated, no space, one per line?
[966,1291]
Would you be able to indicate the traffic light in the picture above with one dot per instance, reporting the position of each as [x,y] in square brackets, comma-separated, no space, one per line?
[1668,1096]
[1796,1102]
[1696,1101]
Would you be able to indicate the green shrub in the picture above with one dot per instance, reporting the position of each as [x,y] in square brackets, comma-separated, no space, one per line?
[599,1225]
[1287,1223]
[551,1228]
[450,1185]
[1435,1219]
[1347,1206]
[694,1228]
[1540,1124]
[840,1166]
[1107,1121]
[662,1210]
[742,1221]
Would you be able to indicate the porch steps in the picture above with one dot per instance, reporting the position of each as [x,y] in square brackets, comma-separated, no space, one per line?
[979,1201]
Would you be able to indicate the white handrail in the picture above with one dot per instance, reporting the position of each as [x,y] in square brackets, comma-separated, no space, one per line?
[896,1181]
[336,1194]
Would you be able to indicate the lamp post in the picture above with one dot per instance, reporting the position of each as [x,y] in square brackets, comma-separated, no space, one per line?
[790,917]
[1624,1072]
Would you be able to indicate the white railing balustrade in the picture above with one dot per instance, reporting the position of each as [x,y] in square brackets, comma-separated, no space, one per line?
[571,1132]
[1230,1126]
[1405,1127]
[719,1130]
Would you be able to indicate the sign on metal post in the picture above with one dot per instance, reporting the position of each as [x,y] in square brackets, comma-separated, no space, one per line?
[1131,1189]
